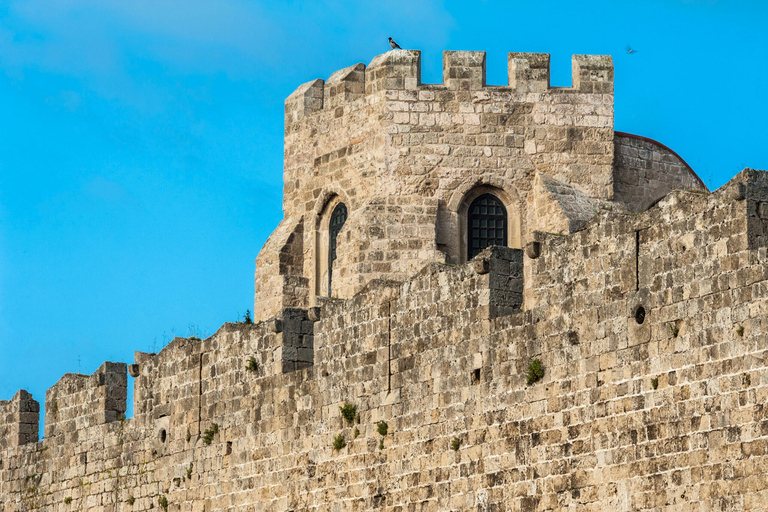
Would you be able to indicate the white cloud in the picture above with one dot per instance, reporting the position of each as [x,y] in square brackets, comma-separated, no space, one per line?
[126,50]
[222,35]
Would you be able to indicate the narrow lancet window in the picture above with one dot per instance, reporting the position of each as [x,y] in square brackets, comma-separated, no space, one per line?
[487,224]
[338,217]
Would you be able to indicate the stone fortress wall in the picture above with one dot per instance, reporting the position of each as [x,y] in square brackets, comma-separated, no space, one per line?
[649,326]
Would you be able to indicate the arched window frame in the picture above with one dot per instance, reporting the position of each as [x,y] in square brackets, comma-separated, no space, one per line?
[336,222]
[460,250]
[487,217]
[324,208]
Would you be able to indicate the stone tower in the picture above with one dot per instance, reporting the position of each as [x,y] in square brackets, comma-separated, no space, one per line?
[381,170]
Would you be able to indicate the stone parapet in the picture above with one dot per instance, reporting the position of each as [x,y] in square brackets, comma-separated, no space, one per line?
[462,70]
[80,401]
[19,418]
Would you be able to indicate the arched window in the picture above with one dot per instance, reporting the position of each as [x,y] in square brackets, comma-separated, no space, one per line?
[487,224]
[338,217]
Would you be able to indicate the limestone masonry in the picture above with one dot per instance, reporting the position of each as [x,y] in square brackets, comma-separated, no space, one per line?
[479,298]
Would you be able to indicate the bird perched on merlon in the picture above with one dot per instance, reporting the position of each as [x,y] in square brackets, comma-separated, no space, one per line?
[393,44]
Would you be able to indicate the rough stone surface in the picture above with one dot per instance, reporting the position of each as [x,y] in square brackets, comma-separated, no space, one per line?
[376,135]
[649,326]
[19,419]
[645,171]
[377,138]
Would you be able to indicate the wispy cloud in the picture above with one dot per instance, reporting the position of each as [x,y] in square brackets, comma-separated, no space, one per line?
[193,35]
[129,52]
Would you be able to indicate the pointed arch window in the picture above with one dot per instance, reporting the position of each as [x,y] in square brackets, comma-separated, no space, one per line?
[338,218]
[487,224]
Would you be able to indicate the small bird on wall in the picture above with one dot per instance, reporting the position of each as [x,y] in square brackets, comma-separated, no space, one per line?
[393,44]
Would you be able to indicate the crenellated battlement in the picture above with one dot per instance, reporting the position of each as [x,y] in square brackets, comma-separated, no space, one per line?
[19,418]
[462,71]
[79,401]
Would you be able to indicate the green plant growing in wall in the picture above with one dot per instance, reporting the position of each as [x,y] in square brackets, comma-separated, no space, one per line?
[189,471]
[339,442]
[655,382]
[455,444]
[163,502]
[382,428]
[381,444]
[348,412]
[131,500]
[210,432]
[68,500]
[674,330]
[247,318]
[740,330]
[535,371]
[356,432]
[253,365]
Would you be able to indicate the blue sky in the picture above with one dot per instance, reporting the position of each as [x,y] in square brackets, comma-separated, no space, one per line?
[141,142]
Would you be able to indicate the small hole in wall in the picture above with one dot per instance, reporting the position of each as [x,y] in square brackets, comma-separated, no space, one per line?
[163,435]
[229,447]
[640,315]
[476,376]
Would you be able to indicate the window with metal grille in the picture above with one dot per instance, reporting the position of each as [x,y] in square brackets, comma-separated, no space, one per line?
[338,217]
[486,225]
